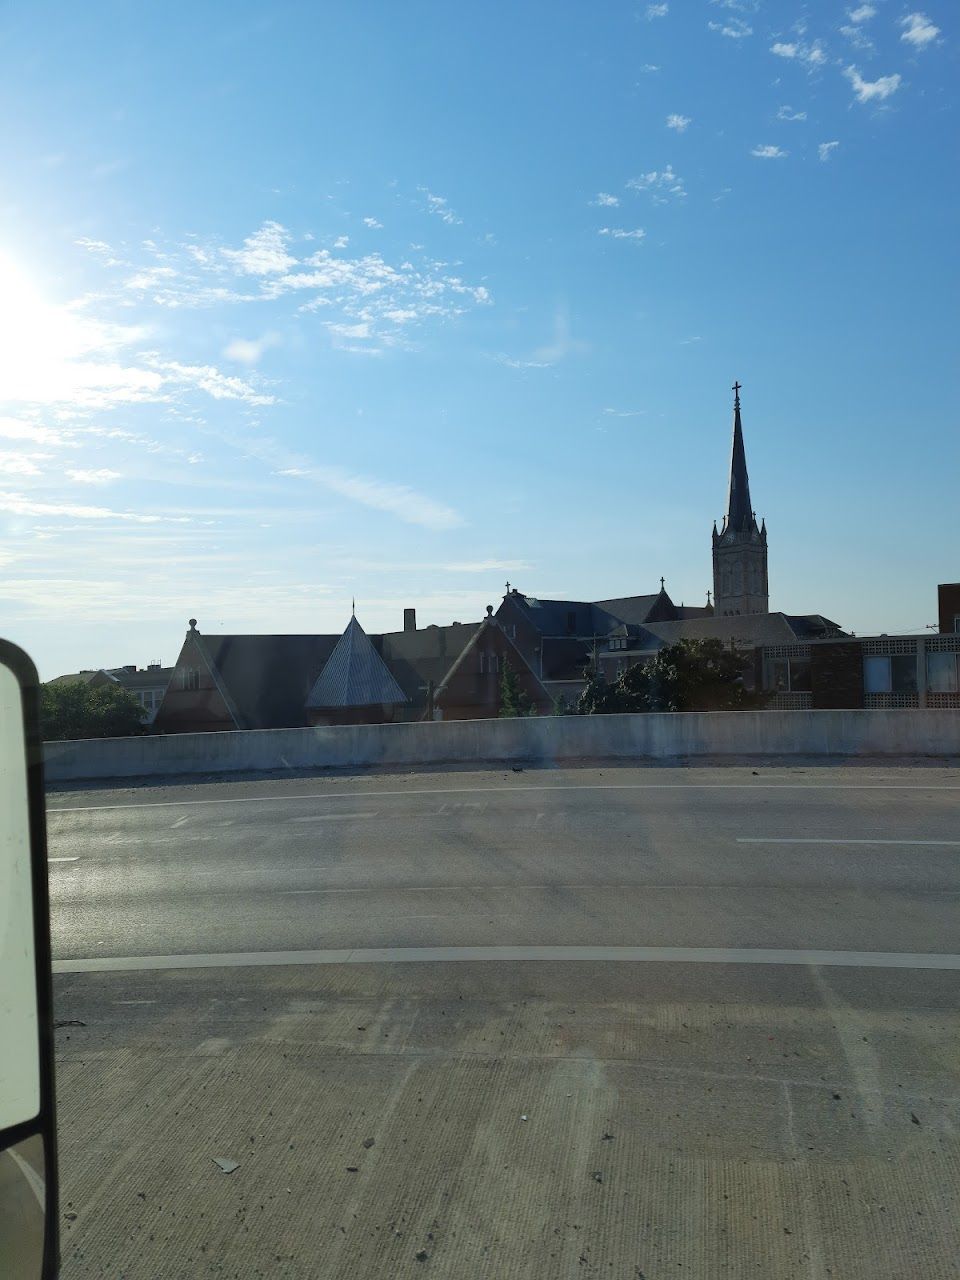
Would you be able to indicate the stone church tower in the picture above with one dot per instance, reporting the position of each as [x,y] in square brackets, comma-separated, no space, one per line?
[740,548]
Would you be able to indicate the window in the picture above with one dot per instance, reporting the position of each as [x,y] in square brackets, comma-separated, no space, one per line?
[618,642]
[571,621]
[956,622]
[903,673]
[190,679]
[896,673]
[800,675]
[876,674]
[780,676]
[942,676]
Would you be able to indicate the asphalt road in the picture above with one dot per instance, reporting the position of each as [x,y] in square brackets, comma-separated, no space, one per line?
[841,860]
[392,1003]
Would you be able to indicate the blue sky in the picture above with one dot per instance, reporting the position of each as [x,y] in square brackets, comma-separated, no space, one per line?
[303,302]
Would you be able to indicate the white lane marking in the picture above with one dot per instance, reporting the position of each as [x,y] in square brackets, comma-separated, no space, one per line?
[439,955]
[334,817]
[33,1179]
[460,791]
[179,823]
[134,1002]
[954,844]
[63,859]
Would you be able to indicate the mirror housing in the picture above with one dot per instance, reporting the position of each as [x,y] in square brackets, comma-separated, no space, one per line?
[29,1210]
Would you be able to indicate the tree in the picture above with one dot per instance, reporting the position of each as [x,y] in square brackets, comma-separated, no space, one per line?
[77,710]
[690,675]
[513,701]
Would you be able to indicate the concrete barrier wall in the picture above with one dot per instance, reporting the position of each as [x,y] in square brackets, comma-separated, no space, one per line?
[548,738]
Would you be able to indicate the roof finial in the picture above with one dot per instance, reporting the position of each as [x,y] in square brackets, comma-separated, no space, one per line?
[353,606]
[736,394]
[709,601]
[661,583]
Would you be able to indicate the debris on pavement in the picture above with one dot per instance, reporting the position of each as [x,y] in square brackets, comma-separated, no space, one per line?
[421,1255]
[914,1118]
[352,1168]
[607,1137]
[368,1143]
[224,1164]
[69,1022]
[70,1216]
[597,1175]
[523,1117]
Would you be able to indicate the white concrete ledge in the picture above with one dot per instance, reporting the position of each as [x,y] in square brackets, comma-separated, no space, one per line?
[546,739]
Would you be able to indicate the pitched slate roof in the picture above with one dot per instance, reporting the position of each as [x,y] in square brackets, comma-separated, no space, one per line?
[564,617]
[415,658]
[355,675]
[742,629]
[268,678]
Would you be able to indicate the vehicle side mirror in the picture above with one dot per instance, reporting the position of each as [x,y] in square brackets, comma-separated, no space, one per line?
[29,1228]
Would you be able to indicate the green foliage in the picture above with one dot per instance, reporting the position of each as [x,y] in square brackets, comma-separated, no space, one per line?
[513,701]
[75,710]
[691,675]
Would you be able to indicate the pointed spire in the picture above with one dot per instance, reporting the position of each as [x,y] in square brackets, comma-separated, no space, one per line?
[739,511]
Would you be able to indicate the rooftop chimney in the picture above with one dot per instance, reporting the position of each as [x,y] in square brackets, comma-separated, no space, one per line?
[409,619]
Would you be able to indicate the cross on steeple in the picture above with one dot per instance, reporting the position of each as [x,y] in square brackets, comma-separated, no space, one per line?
[661,584]
[736,394]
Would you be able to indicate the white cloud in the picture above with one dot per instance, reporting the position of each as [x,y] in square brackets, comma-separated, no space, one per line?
[100,249]
[660,184]
[769,153]
[263,253]
[678,122]
[621,233]
[811,55]
[485,566]
[250,350]
[18,505]
[149,278]
[381,495]
[19,429]
[862,14]
[373,224]
[101,476]
[919,30]
[625,413]
[440,206]
[657,11]
[857,37]
[732,28]
[825,149]
[868,90]
[207,378]
[649,68]
[341,242]
[788,113]
[606,201]
[19,464]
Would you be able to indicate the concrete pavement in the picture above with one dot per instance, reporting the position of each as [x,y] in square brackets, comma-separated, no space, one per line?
[763,1119]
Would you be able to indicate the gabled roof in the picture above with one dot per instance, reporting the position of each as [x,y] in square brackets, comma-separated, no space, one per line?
[415,658]
[742,629]
[268,678]
[634,609]
[355,675]
[562,617]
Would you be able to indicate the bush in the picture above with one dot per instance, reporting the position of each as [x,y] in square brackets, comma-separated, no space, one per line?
[77,710]
[691,675]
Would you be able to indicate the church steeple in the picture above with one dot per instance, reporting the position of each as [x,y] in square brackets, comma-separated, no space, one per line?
[739,511]
[740,548]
